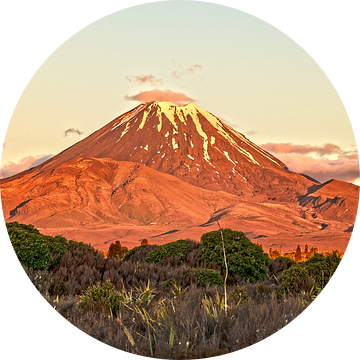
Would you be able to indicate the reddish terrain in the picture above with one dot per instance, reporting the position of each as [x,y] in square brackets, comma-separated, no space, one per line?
[166,172]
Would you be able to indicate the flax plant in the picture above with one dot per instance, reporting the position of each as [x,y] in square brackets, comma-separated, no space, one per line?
[127,333]
[177,290]
[214,307]
[147,321]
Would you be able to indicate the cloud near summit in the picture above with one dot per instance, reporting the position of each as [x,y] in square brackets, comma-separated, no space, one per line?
[160,95]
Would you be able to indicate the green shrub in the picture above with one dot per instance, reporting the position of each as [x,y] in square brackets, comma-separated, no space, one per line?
[322,268]
[31,249]
[57,246]
[243,257]
[296,279]
[35,250]
[132,252]
[311,275]
[208,277]
[99,295]
[315,259]
[178,249]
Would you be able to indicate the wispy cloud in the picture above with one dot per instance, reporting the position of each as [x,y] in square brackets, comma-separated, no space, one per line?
[143,79]
[249,133]
[185,70]
[11,168]
[160,95]
[322,163]
[72,131]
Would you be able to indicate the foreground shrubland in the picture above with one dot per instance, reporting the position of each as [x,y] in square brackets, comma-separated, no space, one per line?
[146,302]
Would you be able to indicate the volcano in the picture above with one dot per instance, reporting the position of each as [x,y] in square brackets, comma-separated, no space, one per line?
[162,170]
[193,145]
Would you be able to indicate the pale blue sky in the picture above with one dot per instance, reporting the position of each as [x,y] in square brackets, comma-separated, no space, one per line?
[247,72]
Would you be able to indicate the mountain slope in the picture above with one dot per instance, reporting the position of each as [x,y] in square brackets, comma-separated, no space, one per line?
[103,192]
[99,200]
[193,145]
[333,200]
[167,172]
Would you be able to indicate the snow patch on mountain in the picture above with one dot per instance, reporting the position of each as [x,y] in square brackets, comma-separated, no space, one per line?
[174,144]
[228,157]
[126,119]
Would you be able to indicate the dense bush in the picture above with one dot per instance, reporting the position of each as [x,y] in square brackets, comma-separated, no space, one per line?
[243,257]
[57,246]
[311,275]
[208,277]
[296,279]
[35,250]
[30,248]
[134,250]
[315,259]
[321,268]
[178,249]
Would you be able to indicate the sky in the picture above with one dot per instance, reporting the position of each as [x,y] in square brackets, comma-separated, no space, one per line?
[238,67]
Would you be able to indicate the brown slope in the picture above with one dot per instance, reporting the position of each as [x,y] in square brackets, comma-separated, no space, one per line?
[103,192]
[102,200]
[333,200]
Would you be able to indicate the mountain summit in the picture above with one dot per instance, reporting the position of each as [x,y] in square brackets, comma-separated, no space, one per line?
[193,145]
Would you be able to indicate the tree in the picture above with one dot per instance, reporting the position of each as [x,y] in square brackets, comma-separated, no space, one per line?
[313,251]
[144,242]
[124,251]
[306,251]
[298,254]
[115,250]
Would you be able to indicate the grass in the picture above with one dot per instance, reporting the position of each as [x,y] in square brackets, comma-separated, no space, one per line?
[177,306]
[167,328]
[159,302]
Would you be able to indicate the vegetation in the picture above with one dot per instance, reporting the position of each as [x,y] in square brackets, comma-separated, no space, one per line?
[208,277]
[116,250]
[243,257]
[239,296]
[35,250]
[298,255]
[145,303]
[311,275]
[101,295]
[178,249]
